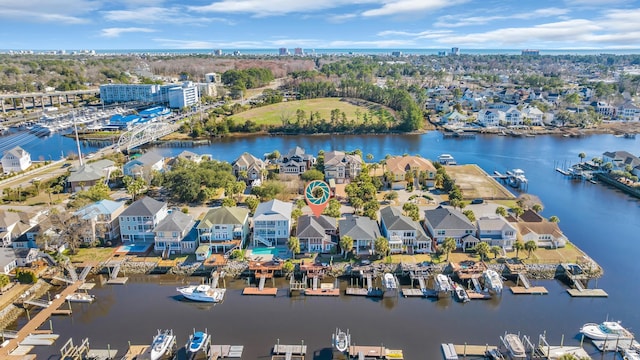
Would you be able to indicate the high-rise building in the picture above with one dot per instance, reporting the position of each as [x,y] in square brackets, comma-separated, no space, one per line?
[217,52]
[181,96]
[298,51]
[530,52]
[111,93]
[455,51]
[396,53]
[283,51]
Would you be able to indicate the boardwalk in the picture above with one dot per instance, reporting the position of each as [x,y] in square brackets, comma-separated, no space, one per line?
[37,321]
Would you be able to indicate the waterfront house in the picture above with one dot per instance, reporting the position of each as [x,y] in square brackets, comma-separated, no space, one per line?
[491,117]
[513,116]
[272,223]
[497,231]
[442,222]
[364,232]
[454,119]
[85,176]
[620,159]
[15,160]
[400,166]
[341,167]
[140,218]
[8,222]
[316,234]
[25,231]
[533,115]
[186,156]
[11,258]
[224,228]
[628,112]
[143,166]
[605,109]
[103,219]
[404,234]
[173,235]
[546,234]
[248,168]
[295,162]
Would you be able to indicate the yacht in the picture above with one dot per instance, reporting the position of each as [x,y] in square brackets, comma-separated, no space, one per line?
[446,159]
[443,285]
[203,293]
[492,281]
[197,341]
[80,297]
[461,293]
[608,330]
[161,343]
[516,178]
[630,354]
[390,282]
[341,340]
[516,349]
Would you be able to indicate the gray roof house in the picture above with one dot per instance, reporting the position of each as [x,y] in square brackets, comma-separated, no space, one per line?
[225,227]
[140,218]
[15,160]
[316,234]
[11,258]
[620,159]
[296,161]
[363,230]
[442,222]
[89,174]
[173,235]
[404,234]
[249,164]
[497,231]
[272,223]
[144,165]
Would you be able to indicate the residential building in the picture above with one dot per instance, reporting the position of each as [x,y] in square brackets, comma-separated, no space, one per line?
[497,231]
[620,159]
[143,166]
[272,223]
[225,228]
[87,175]
[404,234]
[296,161]
[364,232]
[186,155]
[8,222]
[454,118]
[213,78]
[606,109]
[138,221]
[628,112]
[15,160]
[112,93]
[341,167]
[400,166]
[316,234]
[249,168]
[173,235]
[183,96]
[513,116]
[534,115]
[10,259]
[491,117]
[441,223]
[103,217]
[546,234]
[24,232]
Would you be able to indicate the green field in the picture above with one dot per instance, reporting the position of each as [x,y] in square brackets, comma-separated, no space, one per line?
[273,114]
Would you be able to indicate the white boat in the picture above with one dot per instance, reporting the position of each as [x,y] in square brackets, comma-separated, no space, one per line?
[516,178]
[608,330]
[461,293]
[515,346]
[161,343]
[197,341]
[443,285]
[630,354]
[204,293]
[390,282]
[341,340]
[447,159]
[492,281]
[80,297]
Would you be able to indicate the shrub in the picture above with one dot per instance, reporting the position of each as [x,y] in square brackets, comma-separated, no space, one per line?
[26,277]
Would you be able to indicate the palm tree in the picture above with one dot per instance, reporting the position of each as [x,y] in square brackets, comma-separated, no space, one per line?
[346,244]
[495,250]
[554,219]
[518,245]
[381,246]
[294,245]
[582,156]
[537,208]
[448,245]
[501,211]
[530,246]
[517,210]
[482,249]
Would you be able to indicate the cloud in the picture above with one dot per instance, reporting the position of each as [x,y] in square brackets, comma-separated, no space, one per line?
[116,32]
[154,15]
[394,7]
[56,11]
[262,8]
[459,21]
[275,43]
[430,34]
[606,3]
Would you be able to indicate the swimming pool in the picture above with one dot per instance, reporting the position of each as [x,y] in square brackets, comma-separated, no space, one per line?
[134,248]
[264,251]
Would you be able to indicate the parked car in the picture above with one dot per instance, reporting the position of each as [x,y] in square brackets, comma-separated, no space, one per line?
[477,201]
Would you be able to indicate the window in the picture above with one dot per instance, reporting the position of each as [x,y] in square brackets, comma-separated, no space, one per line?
[175,234]
[468,231]
[441,232]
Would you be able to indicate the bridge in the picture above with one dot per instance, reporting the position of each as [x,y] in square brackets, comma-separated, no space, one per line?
[42,99]
[145,133]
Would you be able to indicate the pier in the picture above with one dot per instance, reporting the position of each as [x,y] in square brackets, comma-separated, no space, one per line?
[367,289]
[376,352]
[523,285]
[262,272]
[288,352]
[579,279]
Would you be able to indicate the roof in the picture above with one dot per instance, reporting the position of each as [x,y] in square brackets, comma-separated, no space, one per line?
[531,216]
[401,164]
[186,154]
[17,152]
[492,223]
[176,221]
[246,159]
[546,227]
[7,256]
[102,207]
[8,218]
[333,158]
[395,220]
[273,209]
[623,156]
[359,228]
[89,171]
[149,158]
[224,215]
[313,227]
[144,207]
[442,218]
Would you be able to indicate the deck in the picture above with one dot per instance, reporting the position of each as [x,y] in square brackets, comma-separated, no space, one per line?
[412,293]
[256,291]
[587,293]
[469,272]
[379,352]
[534,290]
[215,260]
[472,350]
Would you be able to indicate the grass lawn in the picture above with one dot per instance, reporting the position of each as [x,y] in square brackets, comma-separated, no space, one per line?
[92,254]
[271,114]
[475,183]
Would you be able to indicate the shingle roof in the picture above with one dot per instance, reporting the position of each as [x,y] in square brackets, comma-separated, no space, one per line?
[311,226]
[394,219]
[443,218]
[359,228]
[90,171]
[176,221]
[275,209]
[246,160]
[144,207]
[486,223]
[149,158]
[102,207]
[333,158]
[17,152]
[545,227]
[8,218]
[399,164]
[224,215]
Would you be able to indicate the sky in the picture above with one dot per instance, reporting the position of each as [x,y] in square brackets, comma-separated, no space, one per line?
[319,24]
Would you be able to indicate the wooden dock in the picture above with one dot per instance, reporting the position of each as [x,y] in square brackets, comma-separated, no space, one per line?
[322,292]
[534,290]
[364,292]
[412,293]
[587,293]
[118,281]
[225,351]
[378,352]
[256,291]
[136,350]
[473,350]
[288,352]
[473,295]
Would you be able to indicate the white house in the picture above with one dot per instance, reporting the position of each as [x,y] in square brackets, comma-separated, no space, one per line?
[248,168]
[272,223]
[404,234]
[15,160]
[225,228]
[12,258]
[534,115]
[496,231]
[545,234]
[628,112]
[172,235]
[140,218]
[341,166]
[8,221]
[513,116]
[144,165]
[491,117]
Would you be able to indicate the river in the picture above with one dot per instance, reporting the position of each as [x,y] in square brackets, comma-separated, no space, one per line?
[602,221]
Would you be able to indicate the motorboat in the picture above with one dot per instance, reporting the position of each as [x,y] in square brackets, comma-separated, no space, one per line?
[493,354]
[390,281]
[630,354]
[161,343]
[203,293]
[197,341]
[516,178]
[516,349]
[443,284]
[80,297]
[608,330]
[341,340]
[461,293]
[492,281]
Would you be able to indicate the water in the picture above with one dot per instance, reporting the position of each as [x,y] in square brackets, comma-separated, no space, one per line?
[602,221]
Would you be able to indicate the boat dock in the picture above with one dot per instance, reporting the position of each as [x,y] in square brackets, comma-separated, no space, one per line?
[225,351]
[262,272]
[579,280]
[523,285]
[288,352]
[452,351]
[377,352]
[367,289]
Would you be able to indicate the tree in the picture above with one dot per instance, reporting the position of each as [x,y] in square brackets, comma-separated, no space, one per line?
[4,280]
[537,208]
[333,209]
[518,245]
[228,202]
[482,249]
[391,195]
[346,244]
[554,219]
[381,246]
[517,210]
[356,203]
[312,174]
[294,245]
[582,156]
[448,245]
[295,214]
[501,211]
[134,186]
[369,157]
[495,250]
[530,246]
[470,215]
[252,203]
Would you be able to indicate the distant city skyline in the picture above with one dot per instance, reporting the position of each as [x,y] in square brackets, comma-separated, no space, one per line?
[313,24]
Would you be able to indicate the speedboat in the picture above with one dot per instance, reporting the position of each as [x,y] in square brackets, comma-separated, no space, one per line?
[608,330]
[161,343]
[515,346]
[341,340]
[204,293]
[461,293]
[493,354]
[389,281]
[443,284]
[80,297]
[630,354]
[492,281]
[197,341]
